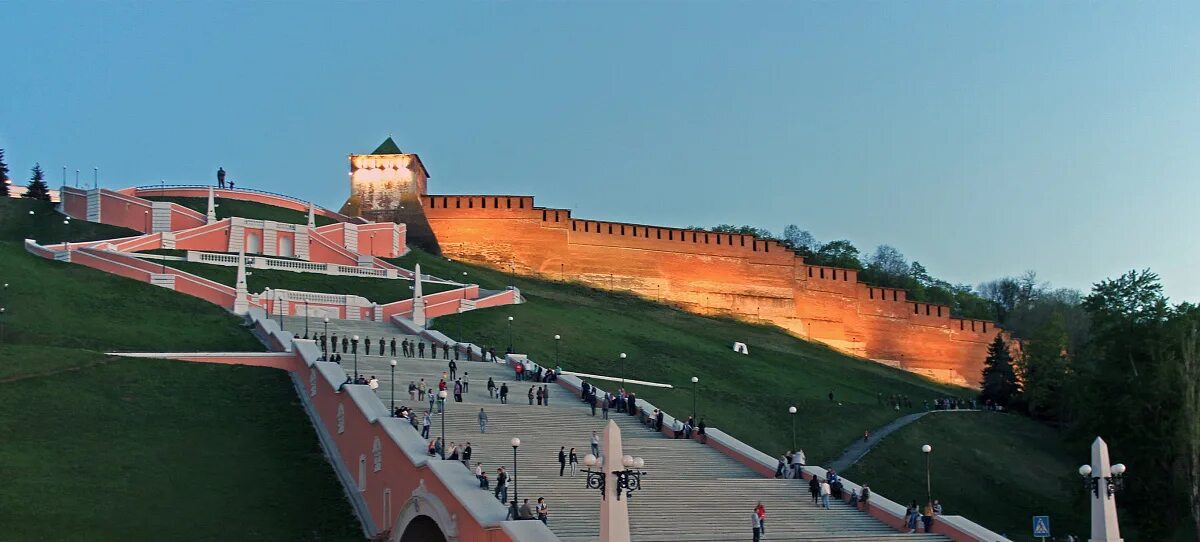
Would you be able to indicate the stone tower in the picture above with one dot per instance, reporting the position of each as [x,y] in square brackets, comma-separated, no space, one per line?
[386,186]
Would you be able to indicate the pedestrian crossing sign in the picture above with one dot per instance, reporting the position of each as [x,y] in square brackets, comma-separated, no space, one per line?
[1041,526]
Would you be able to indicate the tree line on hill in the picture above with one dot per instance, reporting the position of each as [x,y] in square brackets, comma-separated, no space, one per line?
[886,267]
[37,188]
[1120,362]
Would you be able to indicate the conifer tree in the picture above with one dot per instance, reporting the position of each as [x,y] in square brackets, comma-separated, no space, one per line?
[4,182]
[37,188]
[999,378]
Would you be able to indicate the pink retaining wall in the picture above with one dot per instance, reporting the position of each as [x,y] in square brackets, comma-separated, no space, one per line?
[362,425]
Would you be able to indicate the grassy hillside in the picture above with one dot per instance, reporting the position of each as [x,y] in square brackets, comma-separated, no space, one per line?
[245,209]
[747,396]
[105,448]
[67,305]
[996,469]
[45,225]
[163,450]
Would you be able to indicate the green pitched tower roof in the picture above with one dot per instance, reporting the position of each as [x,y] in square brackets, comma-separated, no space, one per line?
[388,147]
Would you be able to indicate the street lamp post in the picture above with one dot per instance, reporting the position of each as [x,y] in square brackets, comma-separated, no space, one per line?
[1102,481]
[2,310]
[622,370]
[325,340]
[393,392]
[146,213]
[928,450]
[695,383]
[516,443]
[510,341]
[792,411]
[556,340]
[354,341]
[460,307]
[442,407]
[305,318]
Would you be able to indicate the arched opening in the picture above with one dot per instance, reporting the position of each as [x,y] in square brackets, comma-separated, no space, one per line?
[253,243]
[285,247]
[422,529]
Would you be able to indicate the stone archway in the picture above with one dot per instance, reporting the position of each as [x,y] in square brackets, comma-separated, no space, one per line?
[422,508]
[422,529]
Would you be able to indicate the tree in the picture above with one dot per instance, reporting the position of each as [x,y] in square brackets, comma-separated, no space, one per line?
[887,267]
[1189,377]
[999,378]
[840,253]
[4,181]
[799,240]
[37,188]
[1044,370]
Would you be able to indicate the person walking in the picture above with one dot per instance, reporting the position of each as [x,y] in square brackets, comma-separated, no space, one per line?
[479,475]
[761,512]
[927,516]
[700,431]
[425,423]
[453,369]
[501,492]
[573,459]
[412,391]
[467,451]
[483,419]
[466,382]
[543,513]
[814,488]
[756,526]
[911,516]
[504,393]
[491,387]
[562,460]
[604,406]
[825,492]
[458,389]
[595,444]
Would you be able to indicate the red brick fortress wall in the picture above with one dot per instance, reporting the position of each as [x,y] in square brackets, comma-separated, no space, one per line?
[714,273]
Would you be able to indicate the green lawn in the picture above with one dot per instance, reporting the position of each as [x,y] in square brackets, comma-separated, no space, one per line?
[377,290]
[246,209]
[105,448]
[998,470]
[69,305]
[46,226]
[149,450]
[747,396]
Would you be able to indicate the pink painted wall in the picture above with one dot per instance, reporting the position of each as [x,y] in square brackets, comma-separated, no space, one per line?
[399,475]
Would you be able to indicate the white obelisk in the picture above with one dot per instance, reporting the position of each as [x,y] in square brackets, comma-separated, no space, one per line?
[1104,506]
[614,514]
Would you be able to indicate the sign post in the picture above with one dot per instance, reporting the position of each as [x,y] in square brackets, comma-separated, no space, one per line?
[1041,527]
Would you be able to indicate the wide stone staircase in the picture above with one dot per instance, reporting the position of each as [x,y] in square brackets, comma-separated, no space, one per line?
[690,492]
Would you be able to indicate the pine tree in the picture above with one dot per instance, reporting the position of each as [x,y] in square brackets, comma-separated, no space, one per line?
[999,378]
[37,188]
[4,182]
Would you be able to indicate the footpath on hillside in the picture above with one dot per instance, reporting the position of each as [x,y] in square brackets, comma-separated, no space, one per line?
[853,453]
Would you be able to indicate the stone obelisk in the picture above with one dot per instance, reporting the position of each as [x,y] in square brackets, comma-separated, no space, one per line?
[418,314]
[614,514]
[1104,506]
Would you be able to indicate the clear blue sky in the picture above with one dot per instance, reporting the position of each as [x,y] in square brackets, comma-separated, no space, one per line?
[980,138]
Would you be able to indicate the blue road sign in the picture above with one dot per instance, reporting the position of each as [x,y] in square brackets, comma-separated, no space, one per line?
[1041,526]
